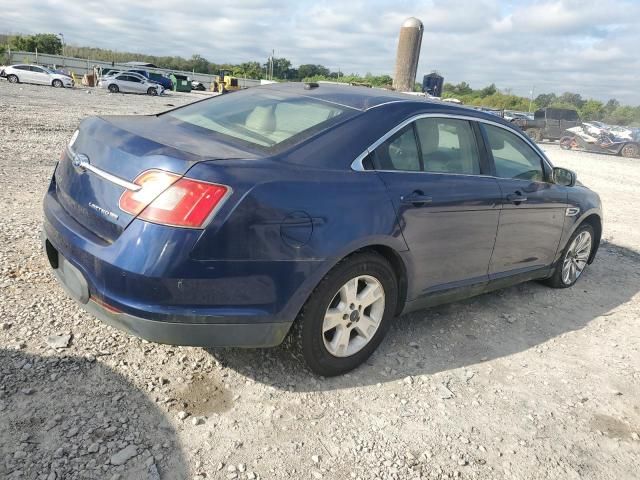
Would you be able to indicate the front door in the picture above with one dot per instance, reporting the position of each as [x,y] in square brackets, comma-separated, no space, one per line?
[447,209]
[533,210]
[39,75]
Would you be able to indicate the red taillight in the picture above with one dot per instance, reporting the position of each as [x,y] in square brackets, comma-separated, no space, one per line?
[170,200]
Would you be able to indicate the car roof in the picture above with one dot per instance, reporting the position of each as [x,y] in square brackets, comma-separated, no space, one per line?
[365,98]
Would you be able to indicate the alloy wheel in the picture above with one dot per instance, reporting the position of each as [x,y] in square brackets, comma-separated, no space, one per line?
[353,316]
[576,257]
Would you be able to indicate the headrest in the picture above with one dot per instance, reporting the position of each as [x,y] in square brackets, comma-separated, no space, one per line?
[261,119]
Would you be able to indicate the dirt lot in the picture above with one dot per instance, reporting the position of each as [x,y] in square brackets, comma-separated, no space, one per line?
[525,383]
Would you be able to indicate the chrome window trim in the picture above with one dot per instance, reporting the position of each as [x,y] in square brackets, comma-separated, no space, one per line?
[357,165]
[81,162]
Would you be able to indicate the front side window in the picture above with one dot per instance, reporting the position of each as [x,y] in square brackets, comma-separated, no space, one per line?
[513,158]
[448,145]
[262,119]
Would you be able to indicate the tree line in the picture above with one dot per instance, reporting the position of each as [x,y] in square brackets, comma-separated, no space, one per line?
[282,69]
[612,111]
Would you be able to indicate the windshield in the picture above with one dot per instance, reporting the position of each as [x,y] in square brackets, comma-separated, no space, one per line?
[261,118]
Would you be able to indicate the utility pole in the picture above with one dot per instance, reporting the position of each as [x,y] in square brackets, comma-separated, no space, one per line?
[62,38]
[531,97]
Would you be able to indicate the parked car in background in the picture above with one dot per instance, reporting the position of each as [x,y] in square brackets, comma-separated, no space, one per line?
[130,82]
[195,85]
[549,123]
[319,211]
[154,77]
[38,75]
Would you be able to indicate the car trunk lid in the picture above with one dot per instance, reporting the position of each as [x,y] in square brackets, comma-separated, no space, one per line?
[108,155]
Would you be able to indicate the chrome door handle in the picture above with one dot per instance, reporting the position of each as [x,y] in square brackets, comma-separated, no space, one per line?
[416,198]
[516,198]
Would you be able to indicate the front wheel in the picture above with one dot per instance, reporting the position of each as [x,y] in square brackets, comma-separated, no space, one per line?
[152,91]
[347,315]
[12,78]
[57,83]
[574,258]
[113,88]
[630,150]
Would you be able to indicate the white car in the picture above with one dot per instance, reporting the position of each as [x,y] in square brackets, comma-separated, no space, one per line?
[130,82]
[36,74]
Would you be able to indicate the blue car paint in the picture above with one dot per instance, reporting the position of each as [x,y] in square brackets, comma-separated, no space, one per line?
[291,217]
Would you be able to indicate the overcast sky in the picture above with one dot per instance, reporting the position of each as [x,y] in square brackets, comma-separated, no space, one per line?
[585,46]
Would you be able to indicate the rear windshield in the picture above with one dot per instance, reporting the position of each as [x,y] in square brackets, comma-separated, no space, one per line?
[265,119]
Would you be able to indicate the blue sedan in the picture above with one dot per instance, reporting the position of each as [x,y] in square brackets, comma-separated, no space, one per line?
[316,211]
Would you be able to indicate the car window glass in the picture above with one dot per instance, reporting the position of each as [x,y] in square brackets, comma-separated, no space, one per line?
[134,79]
[399,152]
[263,119]
[448,146]
[36,69]
[513,158]
[22,67]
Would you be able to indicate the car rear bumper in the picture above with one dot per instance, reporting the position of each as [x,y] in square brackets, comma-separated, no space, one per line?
[227,303]
[263,334]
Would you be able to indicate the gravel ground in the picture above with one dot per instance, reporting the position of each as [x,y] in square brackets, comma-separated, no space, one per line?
[524,383]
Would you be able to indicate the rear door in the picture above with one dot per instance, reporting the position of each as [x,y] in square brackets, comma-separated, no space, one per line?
[24,73]
[533,209]
[447,207]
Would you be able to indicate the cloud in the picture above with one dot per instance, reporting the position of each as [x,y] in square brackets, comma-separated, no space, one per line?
[584,46]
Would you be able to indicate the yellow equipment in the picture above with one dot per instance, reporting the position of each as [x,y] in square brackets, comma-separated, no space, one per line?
[225,83]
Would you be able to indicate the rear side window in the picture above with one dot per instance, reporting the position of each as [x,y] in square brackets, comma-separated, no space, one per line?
[398,152]
[513,158]
[448,145]
[264,119]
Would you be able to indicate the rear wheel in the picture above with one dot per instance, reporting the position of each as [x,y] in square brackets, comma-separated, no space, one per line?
[152,91]
[630,150]
[534,134]
[113,88]
[12,78]
[574,258]
[347,315]
[565,143]
[57,83]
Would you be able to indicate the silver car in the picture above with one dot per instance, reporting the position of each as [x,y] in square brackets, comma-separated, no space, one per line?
[36,74]
[130,82]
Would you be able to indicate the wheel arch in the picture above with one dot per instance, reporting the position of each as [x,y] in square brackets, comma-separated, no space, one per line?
[595,221]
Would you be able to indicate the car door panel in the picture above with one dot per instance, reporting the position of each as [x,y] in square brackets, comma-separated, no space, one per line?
[451,238]
[449,220]
[39,76]
[533,209]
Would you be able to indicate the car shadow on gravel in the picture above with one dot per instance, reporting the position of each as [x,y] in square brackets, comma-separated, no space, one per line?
[463,334]
[72,417]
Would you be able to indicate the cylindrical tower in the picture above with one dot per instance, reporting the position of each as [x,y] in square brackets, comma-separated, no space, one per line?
[409,44]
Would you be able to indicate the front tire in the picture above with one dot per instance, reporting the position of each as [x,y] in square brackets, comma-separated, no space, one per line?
[12,79]
[630,150]
[152,91]
[113,88]
[347,315]
[574,258]
[57,83]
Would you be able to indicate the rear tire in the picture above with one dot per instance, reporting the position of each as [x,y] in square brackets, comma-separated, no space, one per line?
[630,150]
[152,91]
[574,257]
[534,134]
[12,79]
[57,83]
[565,143]
[113,88]
[338,329]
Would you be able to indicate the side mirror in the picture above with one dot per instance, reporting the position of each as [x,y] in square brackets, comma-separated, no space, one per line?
[564,177]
